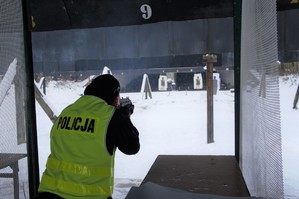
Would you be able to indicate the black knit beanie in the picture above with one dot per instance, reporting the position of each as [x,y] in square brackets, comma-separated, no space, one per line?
[105,87]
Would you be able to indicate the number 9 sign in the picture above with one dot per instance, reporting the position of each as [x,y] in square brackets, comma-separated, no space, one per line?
[146,10]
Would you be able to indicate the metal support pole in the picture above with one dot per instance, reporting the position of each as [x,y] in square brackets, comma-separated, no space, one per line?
[209,59]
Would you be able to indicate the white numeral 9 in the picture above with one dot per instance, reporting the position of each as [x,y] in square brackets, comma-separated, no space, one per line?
[146,10]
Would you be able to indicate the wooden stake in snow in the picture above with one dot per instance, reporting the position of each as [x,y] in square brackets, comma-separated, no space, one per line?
[296,98]
[209,59]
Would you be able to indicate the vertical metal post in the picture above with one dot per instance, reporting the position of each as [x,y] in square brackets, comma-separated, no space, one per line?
[237,75]
[209,59]
[19,98]
[32,148]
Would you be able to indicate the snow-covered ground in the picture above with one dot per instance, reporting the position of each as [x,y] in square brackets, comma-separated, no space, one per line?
[175,123]
[169,123]
[290,136]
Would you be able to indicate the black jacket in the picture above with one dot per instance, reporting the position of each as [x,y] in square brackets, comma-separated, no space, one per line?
[122,134]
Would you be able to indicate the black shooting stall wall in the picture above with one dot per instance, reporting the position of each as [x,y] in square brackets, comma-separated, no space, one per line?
[132,37]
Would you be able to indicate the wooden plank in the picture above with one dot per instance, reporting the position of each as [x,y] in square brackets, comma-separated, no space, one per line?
[7,159]
[45,106]
[218,175]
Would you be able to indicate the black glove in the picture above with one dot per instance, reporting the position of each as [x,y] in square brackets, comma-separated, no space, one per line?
[126,106]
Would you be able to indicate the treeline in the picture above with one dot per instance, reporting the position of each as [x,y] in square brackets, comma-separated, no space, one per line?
[290,68]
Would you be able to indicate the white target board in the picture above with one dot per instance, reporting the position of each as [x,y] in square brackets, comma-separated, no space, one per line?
[197,81]
[216,82]
[162,83]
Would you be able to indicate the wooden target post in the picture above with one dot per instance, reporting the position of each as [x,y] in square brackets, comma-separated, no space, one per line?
[209,59]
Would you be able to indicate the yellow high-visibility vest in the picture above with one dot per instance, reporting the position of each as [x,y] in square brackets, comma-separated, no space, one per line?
[80,165]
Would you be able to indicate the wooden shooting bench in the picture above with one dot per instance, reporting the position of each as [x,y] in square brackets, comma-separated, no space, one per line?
[193,175]
[11,160]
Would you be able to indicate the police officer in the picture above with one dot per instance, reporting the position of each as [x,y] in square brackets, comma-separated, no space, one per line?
[83,142]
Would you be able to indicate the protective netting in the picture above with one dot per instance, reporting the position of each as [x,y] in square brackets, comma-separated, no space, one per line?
[13,152]
[261,159]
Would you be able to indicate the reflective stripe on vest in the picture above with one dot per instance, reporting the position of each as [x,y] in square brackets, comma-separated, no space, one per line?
[75,188]
[78,169]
